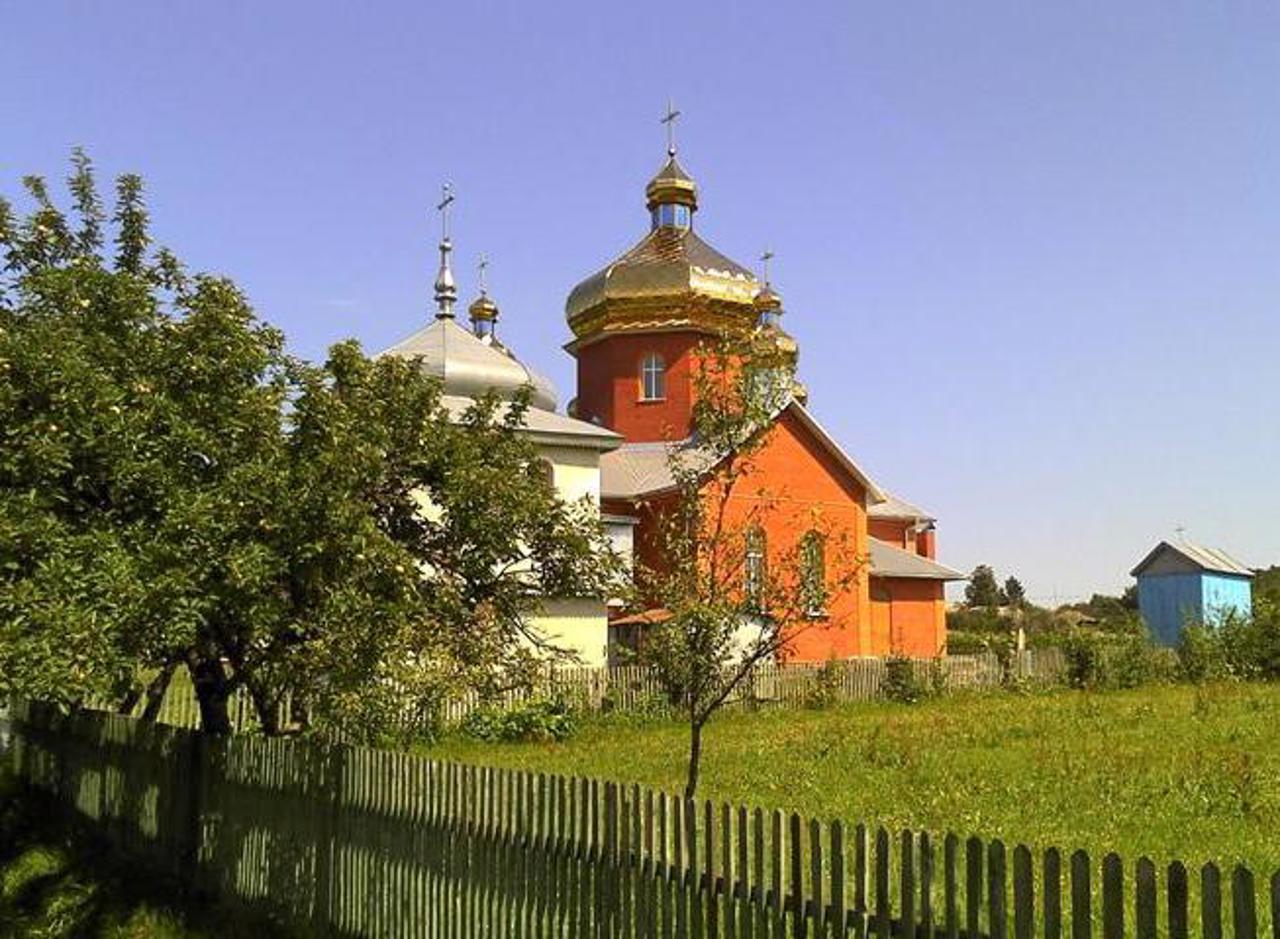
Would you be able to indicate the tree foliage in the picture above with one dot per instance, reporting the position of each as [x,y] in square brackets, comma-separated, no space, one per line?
[731,600]
[178,492]
[982,591]
[1013,594]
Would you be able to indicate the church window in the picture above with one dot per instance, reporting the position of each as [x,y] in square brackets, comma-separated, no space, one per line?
[669,215]
[754,567]
[653,378]
[813,573]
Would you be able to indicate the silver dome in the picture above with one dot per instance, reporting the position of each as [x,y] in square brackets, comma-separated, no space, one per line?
[469,366]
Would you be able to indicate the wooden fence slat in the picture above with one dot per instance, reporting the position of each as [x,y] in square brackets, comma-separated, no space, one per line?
[1275,905]
[951,885]
[926,930]
[795,868]
[1210,902]
[837,917]
[883,914]
[1024,904]
[997,922]
[907,884]
[1144,904]
[1112,897]
[1178,896]
[815,878]
[1051,890]
[1081,897]
[973,888]
[1244,913]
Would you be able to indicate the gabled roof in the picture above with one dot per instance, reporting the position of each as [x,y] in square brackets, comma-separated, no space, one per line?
[895,508]
[891,561]
[640,469]
[1194,556]
[546,427]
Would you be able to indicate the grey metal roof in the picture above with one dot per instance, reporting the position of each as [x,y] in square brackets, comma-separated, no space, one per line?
[548,426]
[890,561]
[639,469]
[893,507]
[1207,559]
[469,365]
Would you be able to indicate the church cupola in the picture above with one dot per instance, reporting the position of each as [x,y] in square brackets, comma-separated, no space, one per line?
[483,311]
[672,195]
[446,288]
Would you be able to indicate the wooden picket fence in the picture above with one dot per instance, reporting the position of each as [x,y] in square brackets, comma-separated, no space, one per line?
[632,687]
[344,841]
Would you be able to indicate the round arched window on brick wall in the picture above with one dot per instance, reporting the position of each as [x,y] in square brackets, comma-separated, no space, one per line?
[653,377]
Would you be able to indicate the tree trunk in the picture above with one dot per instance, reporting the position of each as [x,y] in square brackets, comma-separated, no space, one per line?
[268,708]
[155,693]
[212,692]
[695,758]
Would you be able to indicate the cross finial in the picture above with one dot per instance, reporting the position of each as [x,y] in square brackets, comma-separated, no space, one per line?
[1182,532]
[446,200]
[670,120]
[482,268]
[765,258]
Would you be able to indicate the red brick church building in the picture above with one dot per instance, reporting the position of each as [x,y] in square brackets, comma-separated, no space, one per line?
[637,325]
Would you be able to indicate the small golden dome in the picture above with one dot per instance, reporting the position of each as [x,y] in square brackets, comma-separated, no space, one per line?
[767,300]
[483,308]
[672,186]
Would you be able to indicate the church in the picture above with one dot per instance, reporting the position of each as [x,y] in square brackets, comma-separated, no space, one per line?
[636,328]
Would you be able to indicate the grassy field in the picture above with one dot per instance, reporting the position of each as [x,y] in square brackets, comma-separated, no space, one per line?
[53,887]
[1169,772]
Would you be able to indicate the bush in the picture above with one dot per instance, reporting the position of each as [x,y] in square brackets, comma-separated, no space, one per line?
[540,719]
[965,643]
[1201,655]
[824,688]
[1083,653]
[1134,661]
[1251,645]
[900,682]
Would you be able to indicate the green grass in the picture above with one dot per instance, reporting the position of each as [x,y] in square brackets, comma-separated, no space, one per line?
[1167,772]
[52,886]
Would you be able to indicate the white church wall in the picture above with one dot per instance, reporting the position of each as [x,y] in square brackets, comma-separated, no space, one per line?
[579,625]
[576,471]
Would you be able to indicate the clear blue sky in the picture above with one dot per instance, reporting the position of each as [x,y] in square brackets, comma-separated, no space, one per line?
[1030,251]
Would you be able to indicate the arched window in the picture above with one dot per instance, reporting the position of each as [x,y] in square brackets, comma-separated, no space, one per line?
[813,573]
[653,378]
[753,567]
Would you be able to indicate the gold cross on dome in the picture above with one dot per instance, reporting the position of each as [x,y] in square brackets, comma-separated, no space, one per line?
[670,121]
[483,266]
[766,258]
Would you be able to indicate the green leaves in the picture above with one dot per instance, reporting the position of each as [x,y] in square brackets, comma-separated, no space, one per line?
[175,488]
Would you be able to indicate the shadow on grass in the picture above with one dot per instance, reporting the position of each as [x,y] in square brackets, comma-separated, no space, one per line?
[58,880]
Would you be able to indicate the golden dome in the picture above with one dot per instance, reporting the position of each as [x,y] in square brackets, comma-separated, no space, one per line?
[483,308]
[767,300]
[670,279]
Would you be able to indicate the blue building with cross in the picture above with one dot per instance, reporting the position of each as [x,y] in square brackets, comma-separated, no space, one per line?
[1180,583]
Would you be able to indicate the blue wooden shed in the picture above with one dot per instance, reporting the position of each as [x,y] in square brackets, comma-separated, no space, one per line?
[1180,583]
